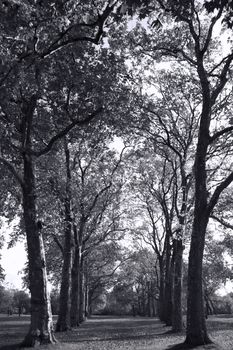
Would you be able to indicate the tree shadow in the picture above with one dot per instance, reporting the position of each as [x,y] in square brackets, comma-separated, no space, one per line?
[10,347]
[180,346]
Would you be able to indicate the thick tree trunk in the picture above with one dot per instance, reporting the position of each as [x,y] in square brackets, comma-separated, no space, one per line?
[196,333]
[177,319]
[41,328]
[196,324]
[63,322]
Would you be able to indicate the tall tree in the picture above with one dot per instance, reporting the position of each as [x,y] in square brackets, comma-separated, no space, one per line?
[29,57]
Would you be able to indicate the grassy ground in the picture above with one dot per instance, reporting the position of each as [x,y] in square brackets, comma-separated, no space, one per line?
[110,333]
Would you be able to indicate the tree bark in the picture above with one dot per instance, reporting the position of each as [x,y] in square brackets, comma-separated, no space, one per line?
[168,286]
[74,312]
[196,324]
[63,322]
[81,315]
[161,291]
[177,320]
[196,333]
[41,327]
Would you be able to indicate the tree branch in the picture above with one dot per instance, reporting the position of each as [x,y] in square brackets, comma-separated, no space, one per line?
[222,221]
[220,133]
[222,79]
[64,132]
[219,189]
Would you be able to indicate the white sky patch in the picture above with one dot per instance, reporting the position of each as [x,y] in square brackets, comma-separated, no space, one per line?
[12,260]
[117,144]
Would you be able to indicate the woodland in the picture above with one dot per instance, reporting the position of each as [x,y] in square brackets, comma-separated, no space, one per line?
[116,135]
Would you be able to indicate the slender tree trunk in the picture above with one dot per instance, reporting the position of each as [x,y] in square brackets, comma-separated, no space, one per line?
[168,287]
[81,317]
[74,311]
[161,291]
[63,322]
[177,319]
[41,327]
[86,297]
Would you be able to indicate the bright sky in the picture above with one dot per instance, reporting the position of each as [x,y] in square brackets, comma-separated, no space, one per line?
[13,260]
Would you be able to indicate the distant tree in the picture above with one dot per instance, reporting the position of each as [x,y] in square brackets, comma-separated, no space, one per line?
[21,301]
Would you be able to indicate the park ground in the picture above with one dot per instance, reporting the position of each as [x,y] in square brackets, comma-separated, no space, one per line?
[117,333]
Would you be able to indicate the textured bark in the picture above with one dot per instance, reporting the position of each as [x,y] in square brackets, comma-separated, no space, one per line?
[63,322]
[41,327]
[177,320]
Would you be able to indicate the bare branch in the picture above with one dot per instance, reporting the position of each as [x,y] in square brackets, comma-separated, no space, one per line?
[222,79]
[222,221]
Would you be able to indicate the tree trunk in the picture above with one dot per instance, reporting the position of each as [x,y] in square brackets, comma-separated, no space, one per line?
[196,333]
[41,328]
[63,322]
[81,317]
[74,311]
[86,308]
[177,319]
[196,324]
[161,292]
[168,287]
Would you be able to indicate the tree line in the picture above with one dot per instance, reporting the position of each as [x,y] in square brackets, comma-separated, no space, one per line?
[73,77]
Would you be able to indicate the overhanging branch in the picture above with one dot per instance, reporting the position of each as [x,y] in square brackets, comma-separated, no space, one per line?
[65,131]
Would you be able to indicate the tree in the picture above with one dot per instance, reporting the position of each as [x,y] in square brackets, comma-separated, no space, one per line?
[29,58]
[21,301]
[213,78]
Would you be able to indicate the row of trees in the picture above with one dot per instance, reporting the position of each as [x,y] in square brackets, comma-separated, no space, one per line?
[75,195]
[14,301]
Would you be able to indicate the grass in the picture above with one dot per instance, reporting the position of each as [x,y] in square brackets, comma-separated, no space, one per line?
[117,333]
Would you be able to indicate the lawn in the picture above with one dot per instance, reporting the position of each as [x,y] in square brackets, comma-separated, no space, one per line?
[117,333]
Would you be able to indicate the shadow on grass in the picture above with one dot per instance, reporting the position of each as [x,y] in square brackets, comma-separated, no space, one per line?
[10,347]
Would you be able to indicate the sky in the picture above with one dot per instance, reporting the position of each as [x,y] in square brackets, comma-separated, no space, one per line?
[12,260]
